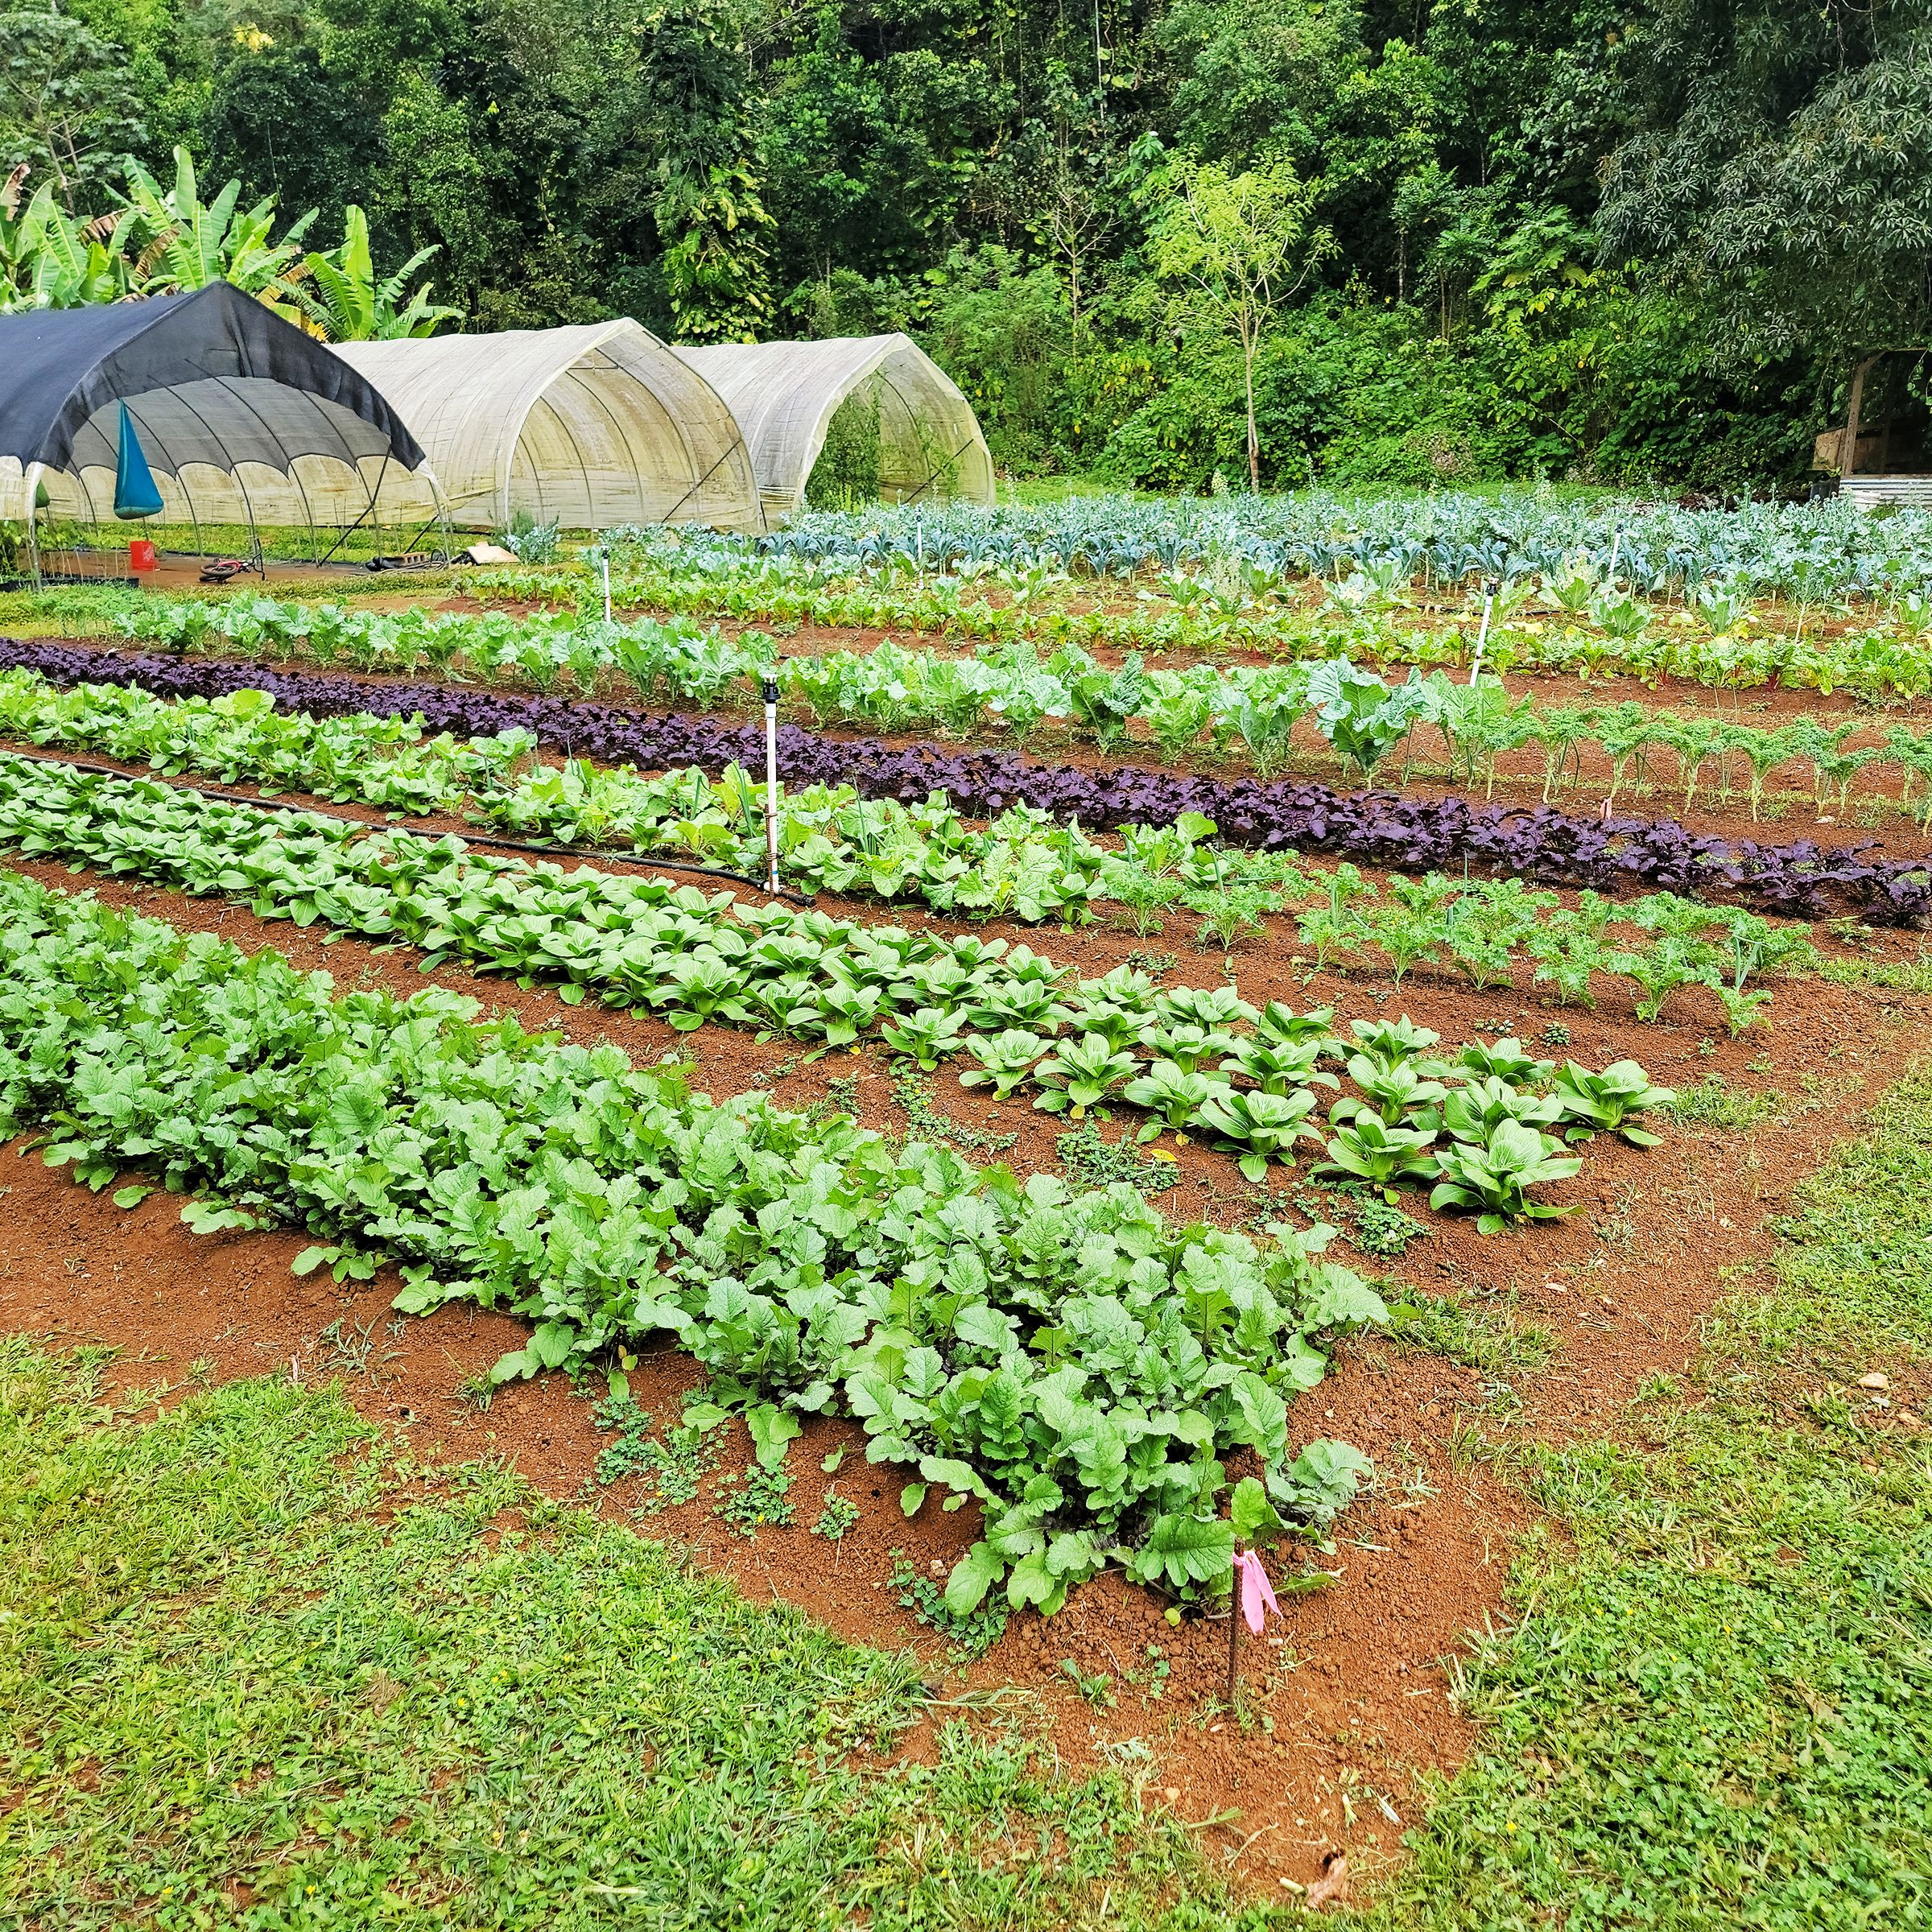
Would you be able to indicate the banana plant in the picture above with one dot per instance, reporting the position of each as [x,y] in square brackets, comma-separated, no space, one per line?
[346,301]
[1492,1176]
[49,260]
[181,243]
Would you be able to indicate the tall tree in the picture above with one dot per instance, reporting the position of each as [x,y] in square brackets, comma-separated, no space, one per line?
[68,106]
[1236,249]
[1782,167]
[710,214]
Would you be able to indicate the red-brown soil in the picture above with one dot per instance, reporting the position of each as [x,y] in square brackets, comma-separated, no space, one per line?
[1353,1702]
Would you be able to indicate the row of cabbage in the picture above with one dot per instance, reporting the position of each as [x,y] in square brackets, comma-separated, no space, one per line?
[1076,1364]
[1362,718]
[1408,833]
[1447,536]
[1199,1060]
[1027,866]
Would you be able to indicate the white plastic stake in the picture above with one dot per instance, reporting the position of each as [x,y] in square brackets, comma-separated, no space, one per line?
[1482,636]
[604,560]
[768,690]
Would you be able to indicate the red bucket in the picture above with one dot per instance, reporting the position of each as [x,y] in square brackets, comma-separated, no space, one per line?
[141,555]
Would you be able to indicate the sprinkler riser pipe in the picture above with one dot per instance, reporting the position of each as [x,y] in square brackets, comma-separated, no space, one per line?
[769,692]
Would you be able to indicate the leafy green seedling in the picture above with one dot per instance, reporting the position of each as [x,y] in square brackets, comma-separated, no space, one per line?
[1607,1102]
[1492,1178]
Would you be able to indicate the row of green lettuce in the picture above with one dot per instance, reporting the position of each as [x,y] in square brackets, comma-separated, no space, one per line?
[1027,866]
[1195,1059]
[1077,1364]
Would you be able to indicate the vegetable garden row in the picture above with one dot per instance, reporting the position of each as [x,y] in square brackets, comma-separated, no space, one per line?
[1026,867]
[1573,622]
[977,1328]
[1196,1060]
[1067,1357]
[1540,844]
[1363,720]
[1446,537]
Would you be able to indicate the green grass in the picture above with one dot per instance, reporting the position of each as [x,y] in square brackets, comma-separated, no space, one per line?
[1715,1709]
[1904,975]
[1715,1103]
[1486,1336]
[235,1652]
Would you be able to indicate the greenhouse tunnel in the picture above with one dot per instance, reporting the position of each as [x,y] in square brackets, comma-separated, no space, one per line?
[241,418]
[586,427]
[785,396]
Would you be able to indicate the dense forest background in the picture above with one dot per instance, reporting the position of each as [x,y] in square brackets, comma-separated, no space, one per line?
[1612,240]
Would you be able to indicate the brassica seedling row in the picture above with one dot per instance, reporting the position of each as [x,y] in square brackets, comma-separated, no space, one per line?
[1026,1024]
[1028,866]
[1070,1359]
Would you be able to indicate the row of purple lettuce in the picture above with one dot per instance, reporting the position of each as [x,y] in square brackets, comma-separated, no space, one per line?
[1537,843]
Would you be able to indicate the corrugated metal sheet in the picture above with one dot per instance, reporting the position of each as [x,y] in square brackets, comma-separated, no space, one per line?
[1869,492]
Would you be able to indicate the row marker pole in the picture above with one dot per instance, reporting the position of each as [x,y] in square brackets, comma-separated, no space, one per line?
[768,690]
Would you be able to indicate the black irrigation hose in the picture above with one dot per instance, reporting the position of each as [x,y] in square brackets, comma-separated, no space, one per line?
[339,818]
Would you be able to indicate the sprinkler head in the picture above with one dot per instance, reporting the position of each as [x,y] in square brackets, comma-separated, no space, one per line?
[768,690]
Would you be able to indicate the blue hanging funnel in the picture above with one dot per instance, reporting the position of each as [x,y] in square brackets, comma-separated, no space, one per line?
[135,495]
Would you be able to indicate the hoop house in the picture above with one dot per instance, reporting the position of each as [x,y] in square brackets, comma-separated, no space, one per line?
[586,427]
[785,394]
[241,418]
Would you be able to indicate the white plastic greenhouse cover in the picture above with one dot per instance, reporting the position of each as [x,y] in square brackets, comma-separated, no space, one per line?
[784,395]
[586,427]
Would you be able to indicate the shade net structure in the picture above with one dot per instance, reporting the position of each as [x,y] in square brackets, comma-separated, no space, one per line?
[586,427]
[241,418]
[785,395]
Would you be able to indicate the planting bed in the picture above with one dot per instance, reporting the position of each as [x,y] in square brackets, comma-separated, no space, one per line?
[1550,1333]
[1553,1329]
[1817,871]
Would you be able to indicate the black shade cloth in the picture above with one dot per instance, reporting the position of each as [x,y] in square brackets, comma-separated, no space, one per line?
[211,377]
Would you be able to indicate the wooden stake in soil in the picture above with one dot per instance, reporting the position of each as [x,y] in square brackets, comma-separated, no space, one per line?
[1234,1630]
